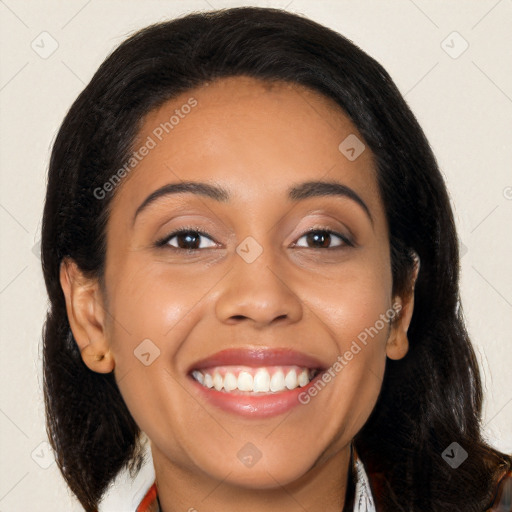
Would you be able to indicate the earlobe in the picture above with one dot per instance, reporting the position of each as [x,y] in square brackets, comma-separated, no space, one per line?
[101,362]
[397,346]
[398,343]
[86,317]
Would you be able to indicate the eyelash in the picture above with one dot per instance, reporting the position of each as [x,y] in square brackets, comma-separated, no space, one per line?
[163,242]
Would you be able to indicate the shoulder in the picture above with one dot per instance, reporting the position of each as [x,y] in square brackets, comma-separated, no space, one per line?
[502,501]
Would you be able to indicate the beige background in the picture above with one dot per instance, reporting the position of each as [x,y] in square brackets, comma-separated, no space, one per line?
[462,100]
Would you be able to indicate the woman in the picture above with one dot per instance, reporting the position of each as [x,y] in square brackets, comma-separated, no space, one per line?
[251,258]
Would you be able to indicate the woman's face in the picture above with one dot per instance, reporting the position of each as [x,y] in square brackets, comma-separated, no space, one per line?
[247,300]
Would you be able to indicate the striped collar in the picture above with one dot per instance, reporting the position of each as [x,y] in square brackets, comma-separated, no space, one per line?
[364,501]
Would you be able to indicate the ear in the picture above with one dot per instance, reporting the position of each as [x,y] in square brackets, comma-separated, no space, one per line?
[84,306]
[398,343]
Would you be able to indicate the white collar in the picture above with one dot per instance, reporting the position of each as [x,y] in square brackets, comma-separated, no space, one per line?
[363,501]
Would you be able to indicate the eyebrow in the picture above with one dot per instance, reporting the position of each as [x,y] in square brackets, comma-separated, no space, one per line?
[298,192]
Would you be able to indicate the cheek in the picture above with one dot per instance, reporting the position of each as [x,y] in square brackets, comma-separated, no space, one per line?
[353,302]
[151,314]
[354,309]
[356,374]
[155,304]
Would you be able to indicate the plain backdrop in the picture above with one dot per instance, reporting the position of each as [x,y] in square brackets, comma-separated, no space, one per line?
[451,60]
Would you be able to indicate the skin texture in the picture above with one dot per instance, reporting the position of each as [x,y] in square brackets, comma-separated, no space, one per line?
[256,141]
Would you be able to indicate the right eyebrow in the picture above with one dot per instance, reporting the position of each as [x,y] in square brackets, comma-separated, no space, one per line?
[192,187]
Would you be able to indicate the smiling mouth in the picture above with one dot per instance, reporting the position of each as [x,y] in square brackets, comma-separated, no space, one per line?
[255,381]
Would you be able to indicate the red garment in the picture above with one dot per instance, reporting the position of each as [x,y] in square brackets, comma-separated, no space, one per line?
[502,501]
[150,501]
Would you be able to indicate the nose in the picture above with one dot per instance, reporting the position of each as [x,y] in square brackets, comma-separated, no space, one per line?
[258,293]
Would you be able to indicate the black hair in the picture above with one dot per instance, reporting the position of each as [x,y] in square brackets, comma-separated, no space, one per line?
[428,400]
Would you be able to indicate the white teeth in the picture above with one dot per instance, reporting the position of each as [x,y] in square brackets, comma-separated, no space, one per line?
[218,381]
[277,381]
[198,376]
[303,378]
[208,381]
[245,381]
[256,380]
[290,380]
[261,381]
[230,382]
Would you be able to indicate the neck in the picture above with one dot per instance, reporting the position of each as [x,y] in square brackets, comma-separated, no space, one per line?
[322,489]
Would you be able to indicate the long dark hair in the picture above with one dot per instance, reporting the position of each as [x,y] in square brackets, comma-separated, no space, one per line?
[429,399]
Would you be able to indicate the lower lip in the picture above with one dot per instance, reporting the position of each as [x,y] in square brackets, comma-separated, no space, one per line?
[254,406]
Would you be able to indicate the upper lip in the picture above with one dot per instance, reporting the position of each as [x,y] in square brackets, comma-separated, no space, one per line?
[256,357]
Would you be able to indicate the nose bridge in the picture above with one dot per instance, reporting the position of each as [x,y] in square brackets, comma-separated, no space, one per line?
[254,288]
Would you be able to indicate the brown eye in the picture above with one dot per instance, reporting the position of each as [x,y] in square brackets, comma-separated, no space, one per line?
[323,239]
[187,239]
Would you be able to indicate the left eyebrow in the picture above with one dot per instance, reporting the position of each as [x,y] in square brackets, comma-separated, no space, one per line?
[327,188]
[295,193]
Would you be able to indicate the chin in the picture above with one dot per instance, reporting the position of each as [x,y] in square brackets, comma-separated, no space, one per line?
[265,473]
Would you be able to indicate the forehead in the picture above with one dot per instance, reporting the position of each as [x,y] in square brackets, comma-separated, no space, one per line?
[247,135]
